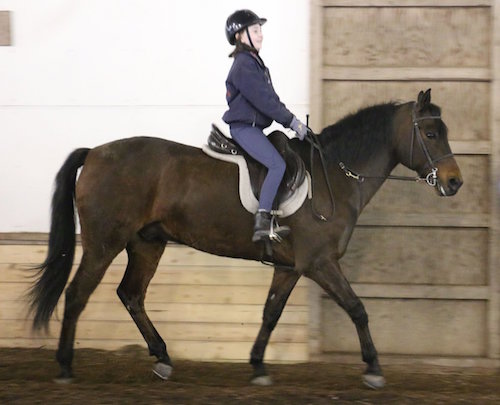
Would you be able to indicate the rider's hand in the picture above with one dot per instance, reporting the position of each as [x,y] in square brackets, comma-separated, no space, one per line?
[299,127]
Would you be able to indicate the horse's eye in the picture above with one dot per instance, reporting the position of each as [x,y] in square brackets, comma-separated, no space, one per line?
[431,134]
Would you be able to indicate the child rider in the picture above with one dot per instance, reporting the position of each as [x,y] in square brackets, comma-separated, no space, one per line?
[253,106]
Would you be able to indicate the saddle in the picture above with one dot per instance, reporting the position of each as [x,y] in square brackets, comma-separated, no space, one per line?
[295,172]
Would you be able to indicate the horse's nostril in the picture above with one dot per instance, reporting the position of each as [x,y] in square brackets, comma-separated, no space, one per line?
[454,183]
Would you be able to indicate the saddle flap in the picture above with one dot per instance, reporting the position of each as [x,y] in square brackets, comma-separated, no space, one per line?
[295,168]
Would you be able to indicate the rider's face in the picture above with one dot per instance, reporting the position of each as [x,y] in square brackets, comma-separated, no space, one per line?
[255,32]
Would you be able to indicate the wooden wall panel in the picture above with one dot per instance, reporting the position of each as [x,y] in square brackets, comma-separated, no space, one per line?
[428,327]
[425,265]
[162,312]
[5,36]
[417,255]
[407,36]
[187,294]
[464,104]
[494,242]
[177,258]
[179,331]
[206,307]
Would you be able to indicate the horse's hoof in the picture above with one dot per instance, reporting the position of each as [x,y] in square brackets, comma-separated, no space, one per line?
[162,370]
[374,381]
[263,381]
[65,377]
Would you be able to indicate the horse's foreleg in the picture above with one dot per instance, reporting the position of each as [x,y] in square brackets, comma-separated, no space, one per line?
[142,263]
[330,277]
[282,285]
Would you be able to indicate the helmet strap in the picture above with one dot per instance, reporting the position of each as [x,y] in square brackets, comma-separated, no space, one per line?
[249,38]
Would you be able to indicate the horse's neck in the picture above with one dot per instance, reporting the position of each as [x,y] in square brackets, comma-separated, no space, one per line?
[383,162]
[380,167]
[379,164]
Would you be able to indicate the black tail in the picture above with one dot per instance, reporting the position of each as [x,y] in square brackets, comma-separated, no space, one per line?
[54,272]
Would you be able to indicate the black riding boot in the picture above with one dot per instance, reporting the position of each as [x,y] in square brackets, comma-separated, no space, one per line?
[265,228]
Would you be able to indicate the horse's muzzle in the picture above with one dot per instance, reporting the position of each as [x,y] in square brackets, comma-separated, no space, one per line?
[450,186]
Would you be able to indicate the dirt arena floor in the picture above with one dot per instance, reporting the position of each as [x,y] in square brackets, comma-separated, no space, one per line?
[125,377]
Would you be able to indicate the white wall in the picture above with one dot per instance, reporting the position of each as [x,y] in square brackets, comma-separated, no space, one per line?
[84,72]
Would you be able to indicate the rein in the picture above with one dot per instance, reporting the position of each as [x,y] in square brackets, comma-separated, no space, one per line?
[312,138]
[430,179]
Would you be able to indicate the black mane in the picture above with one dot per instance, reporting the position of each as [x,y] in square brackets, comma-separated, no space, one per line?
[358,135]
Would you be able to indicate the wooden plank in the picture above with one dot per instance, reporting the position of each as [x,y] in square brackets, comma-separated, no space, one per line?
[234,351]
[471,147]
[437,292]
[166,293]
[315,326]
[407,3]
[316,62]
[172,275]
[467,120]
[22,254]
[20,238]
[162,312]
[5,37]
[417,326]
[316,123]
[429,220]
[494,241]
[405,73]
[190,350]
[410,256]
[176,255]
[416,362]
[170,331]
[425,37]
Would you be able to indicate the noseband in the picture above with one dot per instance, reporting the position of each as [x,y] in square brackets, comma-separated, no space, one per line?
[431,178]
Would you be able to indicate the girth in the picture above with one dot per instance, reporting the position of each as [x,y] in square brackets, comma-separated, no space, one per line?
[295,169]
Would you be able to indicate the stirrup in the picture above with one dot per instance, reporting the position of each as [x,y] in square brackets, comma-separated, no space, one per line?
[276,232]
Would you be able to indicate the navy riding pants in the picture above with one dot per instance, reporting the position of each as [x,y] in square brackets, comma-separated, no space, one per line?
[256,144]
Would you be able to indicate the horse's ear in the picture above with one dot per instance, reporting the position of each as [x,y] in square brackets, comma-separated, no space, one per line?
[424,99]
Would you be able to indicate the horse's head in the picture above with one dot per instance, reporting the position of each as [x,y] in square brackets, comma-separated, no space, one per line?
[426,150]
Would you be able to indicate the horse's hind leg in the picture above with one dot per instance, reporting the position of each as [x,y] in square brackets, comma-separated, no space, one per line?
[328,275]
[86,279]
[282,285]
[143,258]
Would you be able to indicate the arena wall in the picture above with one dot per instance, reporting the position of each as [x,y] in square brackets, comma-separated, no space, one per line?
[426,267]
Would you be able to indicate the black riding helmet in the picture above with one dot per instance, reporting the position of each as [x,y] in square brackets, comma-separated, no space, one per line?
[240,20]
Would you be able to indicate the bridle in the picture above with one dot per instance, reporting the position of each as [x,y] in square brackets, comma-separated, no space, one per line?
[431,177]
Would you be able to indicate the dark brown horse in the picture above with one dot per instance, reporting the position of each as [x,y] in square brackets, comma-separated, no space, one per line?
[140,193]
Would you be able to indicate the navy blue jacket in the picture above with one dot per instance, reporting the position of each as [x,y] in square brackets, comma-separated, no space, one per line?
[251,96]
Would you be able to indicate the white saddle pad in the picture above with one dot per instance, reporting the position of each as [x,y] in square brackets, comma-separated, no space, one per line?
[247,198]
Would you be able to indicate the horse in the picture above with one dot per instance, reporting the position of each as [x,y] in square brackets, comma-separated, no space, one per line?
[141,193]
